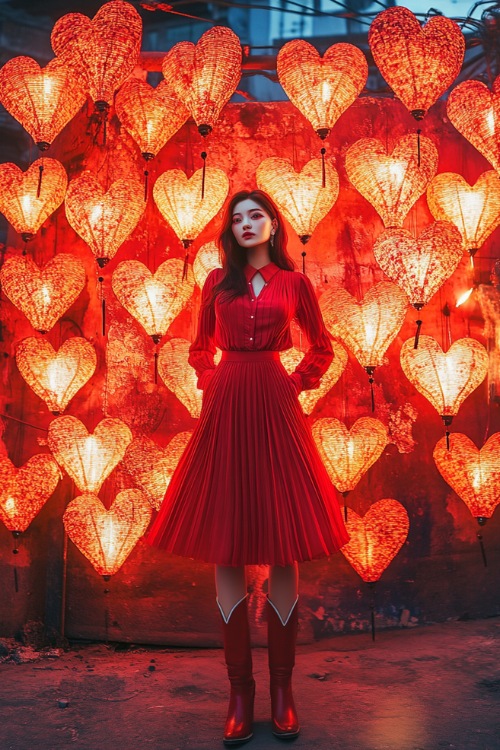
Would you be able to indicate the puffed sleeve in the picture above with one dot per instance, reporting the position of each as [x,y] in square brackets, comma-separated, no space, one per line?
[319,356]
[202,350]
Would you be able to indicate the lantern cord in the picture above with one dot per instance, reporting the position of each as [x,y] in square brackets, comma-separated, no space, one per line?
[204,157]
[371,586]
[304,262]
[417,333]
[344,495]
[418,146]
[103,305]
[370,371]
[483,551]
[40,174]
[185,267]
[146,183]
[323,171]
[156,367]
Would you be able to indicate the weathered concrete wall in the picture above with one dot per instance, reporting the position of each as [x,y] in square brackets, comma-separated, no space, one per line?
[157,598]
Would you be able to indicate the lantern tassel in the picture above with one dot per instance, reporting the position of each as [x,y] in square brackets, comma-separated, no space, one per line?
[204,157]
[481,521]
[323,170]
[447,422]
[16,535]
[146,184]
[156,368]
[370,371]
[418,146]
[417,333]
[40,175]
[103,306]
[304,262]
[371,586]
[344,495]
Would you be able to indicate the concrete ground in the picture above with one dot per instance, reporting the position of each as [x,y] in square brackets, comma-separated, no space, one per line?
[423,689]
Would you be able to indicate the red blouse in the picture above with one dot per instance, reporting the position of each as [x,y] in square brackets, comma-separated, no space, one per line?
[252,323]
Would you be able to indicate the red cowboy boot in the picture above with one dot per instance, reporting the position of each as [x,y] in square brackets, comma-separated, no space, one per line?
[236,632]
[281,645]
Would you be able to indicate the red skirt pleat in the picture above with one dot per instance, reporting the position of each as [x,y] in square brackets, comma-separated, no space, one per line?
[250,487]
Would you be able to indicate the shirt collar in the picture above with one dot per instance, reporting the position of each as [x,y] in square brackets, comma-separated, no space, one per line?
[267,271]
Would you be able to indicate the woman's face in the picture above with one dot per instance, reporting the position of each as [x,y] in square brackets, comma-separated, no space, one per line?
[252,225]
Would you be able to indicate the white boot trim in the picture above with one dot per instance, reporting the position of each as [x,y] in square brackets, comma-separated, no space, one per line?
[278,613]
[226,620]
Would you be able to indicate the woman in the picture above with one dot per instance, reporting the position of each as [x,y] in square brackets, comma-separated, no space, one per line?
[250,487]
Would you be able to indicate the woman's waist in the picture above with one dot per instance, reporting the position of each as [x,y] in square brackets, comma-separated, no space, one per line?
[249,355]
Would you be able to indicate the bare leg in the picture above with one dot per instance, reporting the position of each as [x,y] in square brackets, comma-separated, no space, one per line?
[231,587]
[283,588]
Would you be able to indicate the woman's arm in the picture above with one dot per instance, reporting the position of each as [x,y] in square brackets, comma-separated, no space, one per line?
[202,350]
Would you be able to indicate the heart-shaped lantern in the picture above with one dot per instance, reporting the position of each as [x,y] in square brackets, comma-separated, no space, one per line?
[419,266]
[181,202]
[152,467]
[88,459]
[104,220]
[205,75]
[151,116]
[178,376]
[43,100]
[367,327]
[473,474]
[104,50]
[419,63]
[43,295]
[322,88]
[475,112]
[56,376]
[391,182]
[27,200]
[207,258]
[156,299]
[302,197]
[107,537]
[309,398]
[348,454]
[376,538]
[445,379]
[475,210]
[24,491]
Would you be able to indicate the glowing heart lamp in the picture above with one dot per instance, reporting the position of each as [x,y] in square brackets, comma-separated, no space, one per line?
[302,197]
[322,88]
[178,376]
[418,62]
[103,50]
[104,219]
[368,327]
[445,379]
[43,295]
[151,467]
[205,75]
[26,200]
[88,458]
[207,258]
[376,538]
[107,537]
[475,112]
[56,376]
[151,115]
[24,491]
[475,210]
[43,100]
[392,182]
[309,398]
[474,474]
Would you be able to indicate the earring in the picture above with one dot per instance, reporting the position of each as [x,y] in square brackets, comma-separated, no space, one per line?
[271,239]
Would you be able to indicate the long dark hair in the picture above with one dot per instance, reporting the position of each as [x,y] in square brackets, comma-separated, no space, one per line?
[234,259]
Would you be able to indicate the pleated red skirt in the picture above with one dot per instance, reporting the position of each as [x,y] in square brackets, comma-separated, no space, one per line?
[250,487]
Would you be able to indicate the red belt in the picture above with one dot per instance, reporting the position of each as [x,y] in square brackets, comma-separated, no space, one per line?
[255,356]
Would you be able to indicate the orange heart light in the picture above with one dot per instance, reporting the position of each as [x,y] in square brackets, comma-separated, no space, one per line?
[207,258]
[56,376]
[43,100]
[309,398]
[26,200]
[181,202]
[205,75]
[445,379]
[475,210]
[302,197]
[348,454]
[322,88]
[473,474]
[152,467]
[24,491]
[156,299]
[88,459]
[107,537]
[475,112]
[151,116]
[391,183]
[104,50]
[178,376]
[367,327]
[419,63]
[43,295]
[376,538]
[419,266]
[104,220]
